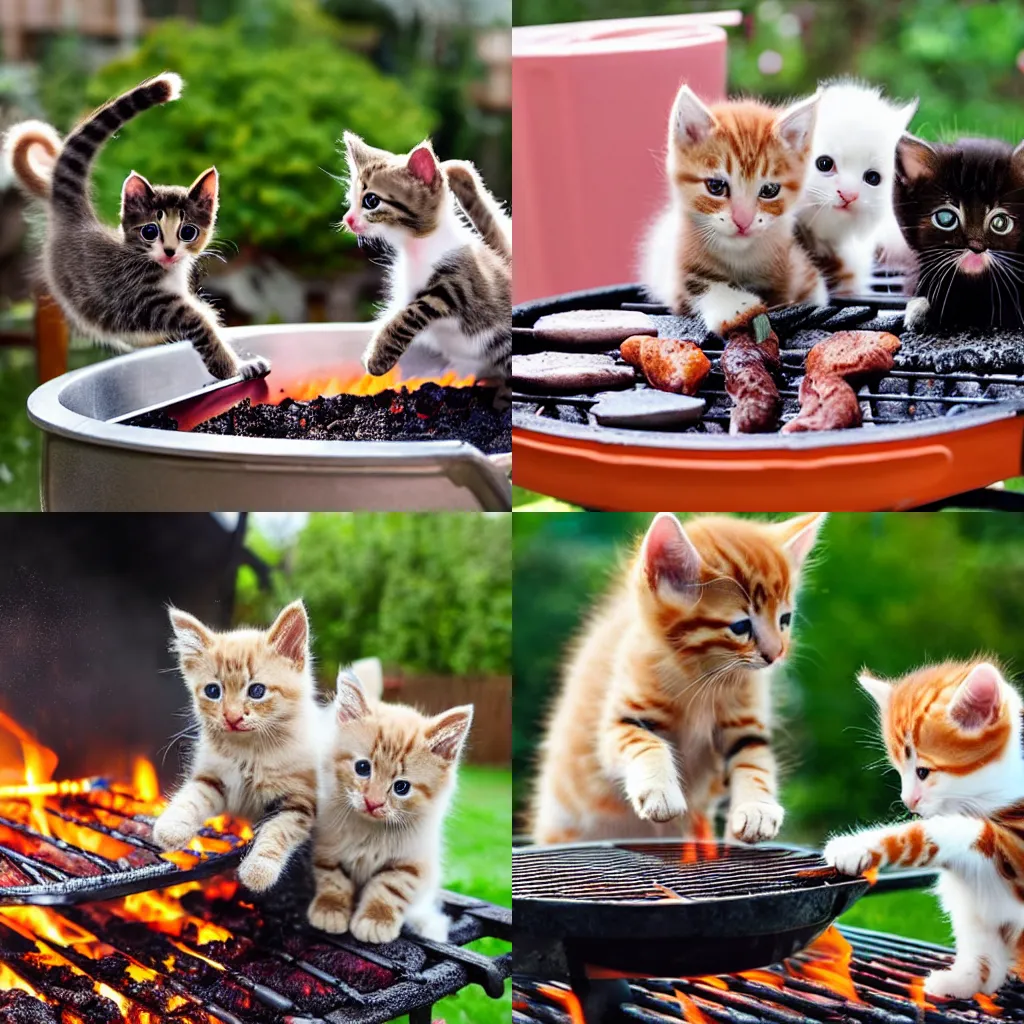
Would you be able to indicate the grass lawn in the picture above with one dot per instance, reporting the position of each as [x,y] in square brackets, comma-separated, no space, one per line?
[479,863]
[913,914]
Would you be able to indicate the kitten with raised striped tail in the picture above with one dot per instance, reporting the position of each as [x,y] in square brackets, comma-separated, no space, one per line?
[129,286]
[450,281]
[953,732]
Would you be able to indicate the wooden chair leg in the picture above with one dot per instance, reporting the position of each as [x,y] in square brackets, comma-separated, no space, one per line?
[52,336]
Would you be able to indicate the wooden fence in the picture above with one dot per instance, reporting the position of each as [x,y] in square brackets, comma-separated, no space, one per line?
[490,740]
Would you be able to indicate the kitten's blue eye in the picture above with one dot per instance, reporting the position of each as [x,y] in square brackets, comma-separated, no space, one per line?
[824,164]
[188,232]
[257,691]
[401,788]
[785,619]
[1001,224]
[923,773]
[770,190]
[364,768]
[742,627]
[212,690]
[945,219]
[371,201]
[873,177]
[717,187]
[150,232]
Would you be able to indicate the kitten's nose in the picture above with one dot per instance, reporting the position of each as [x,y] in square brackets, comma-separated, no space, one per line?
[742,218]
[372,805]
[848,197]
[976,246]
[233,723]
[168,252]
[350,219]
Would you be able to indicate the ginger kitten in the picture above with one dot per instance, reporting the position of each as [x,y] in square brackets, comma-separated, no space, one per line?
[449,289]
[665,706]
[387,775]
[953,732]
[254,697]
[725,247]
[130,287]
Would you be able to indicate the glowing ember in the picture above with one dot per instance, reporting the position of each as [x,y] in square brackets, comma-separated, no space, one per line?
[690,1011]
[829,961]
[327,387]
[566,999]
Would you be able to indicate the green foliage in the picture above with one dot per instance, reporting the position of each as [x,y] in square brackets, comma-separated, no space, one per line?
[267,95]
[423,592]
[959,56]
[890,591]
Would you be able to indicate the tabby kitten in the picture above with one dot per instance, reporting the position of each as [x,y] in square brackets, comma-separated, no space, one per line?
[953,732]
[724,247]
[387,774]
[847,203]
[485,213]
[253,694]
[665,705]
[129,287]
[961,210]
[449,289]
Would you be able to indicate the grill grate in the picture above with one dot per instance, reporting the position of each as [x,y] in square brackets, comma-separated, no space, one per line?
[877,981]
[92,839]
[660,872]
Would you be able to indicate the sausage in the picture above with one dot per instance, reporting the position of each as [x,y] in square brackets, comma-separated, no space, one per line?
[748,367]
[827,402]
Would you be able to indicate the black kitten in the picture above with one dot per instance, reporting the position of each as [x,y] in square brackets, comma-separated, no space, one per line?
[961,210]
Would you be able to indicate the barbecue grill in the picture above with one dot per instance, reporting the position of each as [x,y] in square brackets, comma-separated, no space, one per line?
[927,436]
[93,463]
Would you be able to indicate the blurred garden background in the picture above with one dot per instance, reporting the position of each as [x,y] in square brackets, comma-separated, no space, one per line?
[270,85]
[890,591]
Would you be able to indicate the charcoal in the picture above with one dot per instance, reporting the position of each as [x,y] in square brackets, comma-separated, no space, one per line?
[17,1007]
[430,413]
[891,321]
[570,414]
[967,389]
[965,351]
[674,326]
[792,317]
[804,339]
[1005,392]
[847,318]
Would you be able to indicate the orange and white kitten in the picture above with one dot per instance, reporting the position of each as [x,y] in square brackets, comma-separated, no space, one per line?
[725,247]
[387,774]
[665,706]
[953,732]
[254,697]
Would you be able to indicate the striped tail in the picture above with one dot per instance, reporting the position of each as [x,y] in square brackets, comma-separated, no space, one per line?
[70,187]
[30,151]
[484,211]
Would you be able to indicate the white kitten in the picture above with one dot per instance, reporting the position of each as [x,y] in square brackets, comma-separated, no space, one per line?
[847,205]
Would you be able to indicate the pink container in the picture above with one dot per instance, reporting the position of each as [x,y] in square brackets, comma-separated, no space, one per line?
[590,120]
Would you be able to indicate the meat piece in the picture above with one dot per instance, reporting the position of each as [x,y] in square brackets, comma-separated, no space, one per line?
[630,350]
[827,402]
[743,324]
[673,365]
[748,367]
[852,353]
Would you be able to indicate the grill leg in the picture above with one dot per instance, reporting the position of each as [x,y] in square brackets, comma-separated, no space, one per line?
[422,1015]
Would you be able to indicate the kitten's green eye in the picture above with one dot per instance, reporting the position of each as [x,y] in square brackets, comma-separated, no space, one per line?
[1001,224]
[873,178]
[212,690]
[401,788]
[364,768]
[785,619]
[742,627]
[717,187]
[188,232]
[769,191]
[150,232]
[945,219]
[371,201]
[923,773]
[257,691]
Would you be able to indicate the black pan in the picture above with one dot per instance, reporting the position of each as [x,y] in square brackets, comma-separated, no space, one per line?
[672,909]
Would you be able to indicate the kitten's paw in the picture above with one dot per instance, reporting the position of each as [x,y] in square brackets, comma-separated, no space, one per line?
[755,821]
[657,803]
[850,855]
[258,874]
[958,983]
[328,913]
[381,924]
[173,833]
[376,363]
[258,366]
[917,313]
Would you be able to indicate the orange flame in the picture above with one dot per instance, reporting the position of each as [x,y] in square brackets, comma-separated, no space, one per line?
[830,959]
[38,765]
[566,999]
[690,1010]
[354,384]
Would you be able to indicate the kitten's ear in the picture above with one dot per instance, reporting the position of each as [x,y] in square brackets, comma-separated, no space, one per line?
[977,699]
[191,637]
[915,159]
[879,690]
[370,674]
[691,121]
[1018,158]
[350,702]
[357,150]
[798,535]
[205,188]
[795,124]
[668,555]
[289,635]
[447,732]
[422,164]
[134,190]
[905,114]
